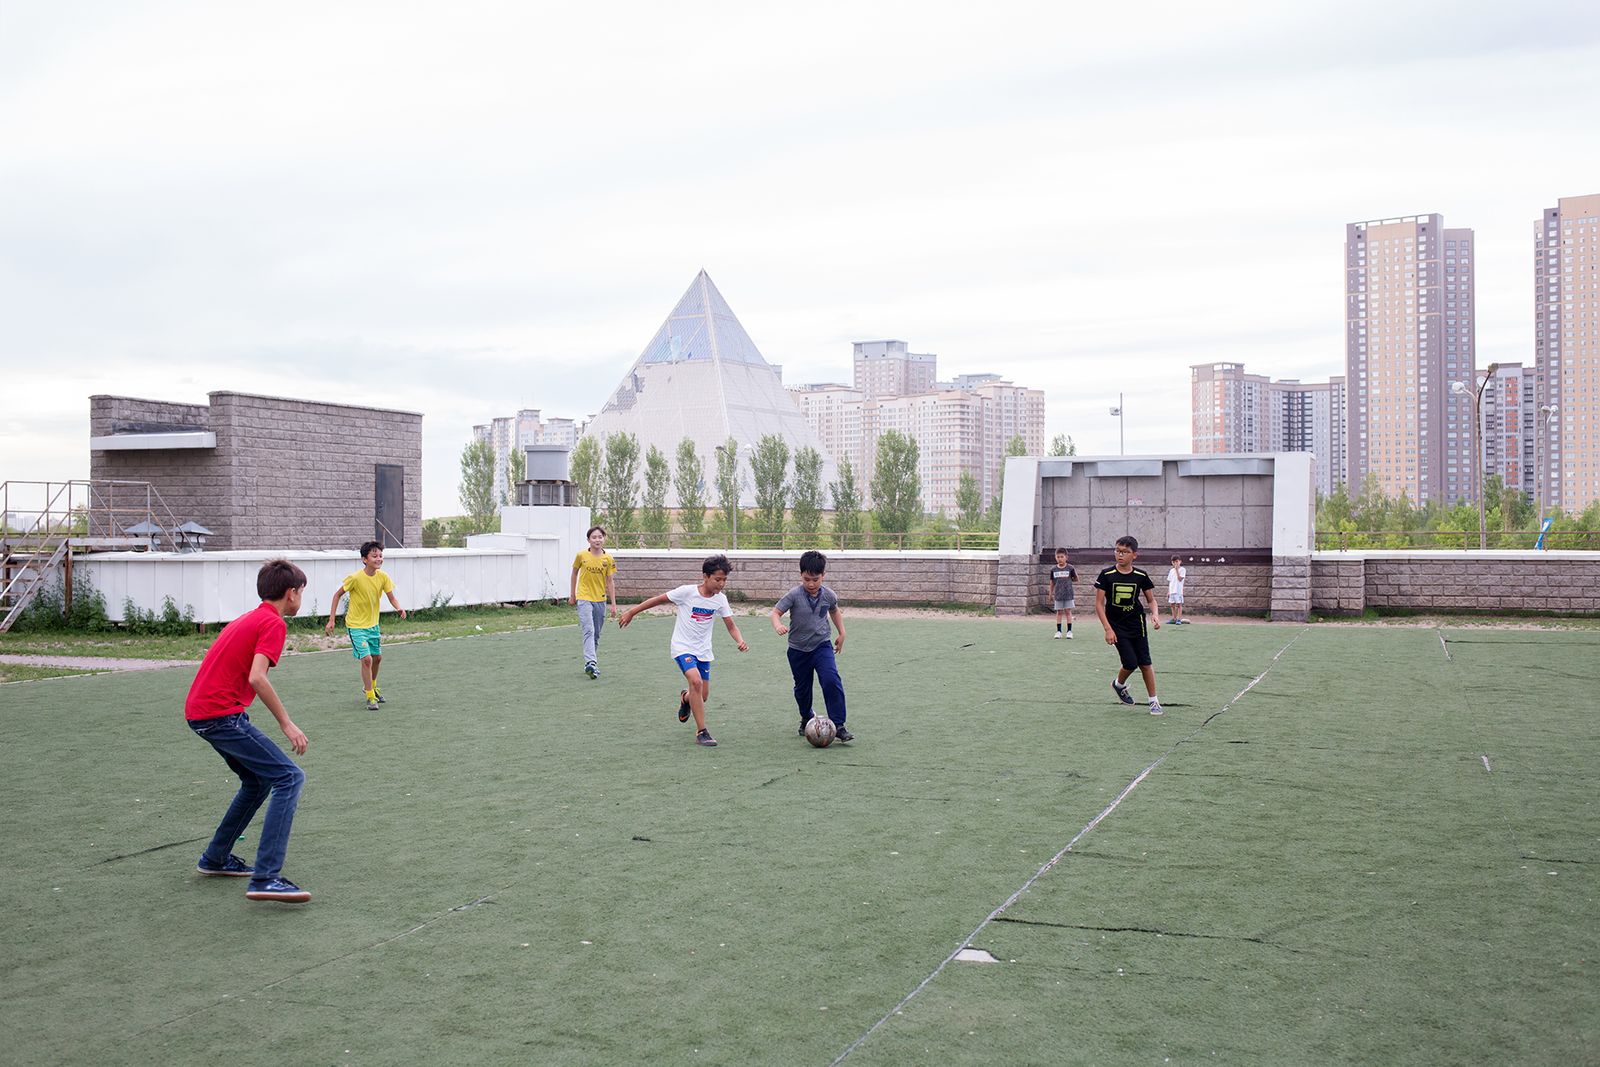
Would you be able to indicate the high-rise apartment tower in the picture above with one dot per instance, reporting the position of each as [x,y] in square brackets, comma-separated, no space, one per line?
[1409,336]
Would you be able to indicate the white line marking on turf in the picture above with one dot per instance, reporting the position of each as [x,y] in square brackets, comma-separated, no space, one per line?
[1040,873]
[1487,769]
[1443,645]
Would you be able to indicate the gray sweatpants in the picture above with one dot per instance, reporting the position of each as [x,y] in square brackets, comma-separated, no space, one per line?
[591,616]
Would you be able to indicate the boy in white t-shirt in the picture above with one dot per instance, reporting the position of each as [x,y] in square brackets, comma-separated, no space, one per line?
[1175,579]
[691,637]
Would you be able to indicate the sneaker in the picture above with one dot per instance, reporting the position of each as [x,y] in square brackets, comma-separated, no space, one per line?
[841,734]
[1122,692]
[281,890]
[589,669]
[704,738]
[1058,635]
[372,705]
[1155,707]
[377,694]
[1069,635]
[232,867]
[683,706]
[803,726]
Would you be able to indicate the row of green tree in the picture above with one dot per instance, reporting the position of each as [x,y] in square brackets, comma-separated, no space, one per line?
[1371,519]
[790,496]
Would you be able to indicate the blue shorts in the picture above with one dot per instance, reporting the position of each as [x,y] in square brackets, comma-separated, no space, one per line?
[687,663]
[365,642]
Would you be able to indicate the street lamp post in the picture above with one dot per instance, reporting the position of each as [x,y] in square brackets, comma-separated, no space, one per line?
[1548,411]
[1461,389]
[1121,437]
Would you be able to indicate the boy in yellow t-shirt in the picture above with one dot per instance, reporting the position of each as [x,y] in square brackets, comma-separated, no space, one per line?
[365,587]
[592,587]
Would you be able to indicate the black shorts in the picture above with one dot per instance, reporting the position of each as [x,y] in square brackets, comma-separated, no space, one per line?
[1133,647]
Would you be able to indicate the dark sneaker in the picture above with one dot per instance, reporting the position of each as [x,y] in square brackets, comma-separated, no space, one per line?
[1155,706]
[841,734]
[683,706]
[377,694]
[803,726]
[589,669]
[232,867]
[281,890]
[704,738]
[1122,692]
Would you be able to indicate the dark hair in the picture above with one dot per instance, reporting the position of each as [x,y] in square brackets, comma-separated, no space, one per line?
[368,546]
[813,562]
[276,577]
[716,563]
[1128,540]
[590,532]
[1061,552]
[1177,559]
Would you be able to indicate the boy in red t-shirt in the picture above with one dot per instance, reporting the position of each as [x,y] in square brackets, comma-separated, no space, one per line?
[234,673]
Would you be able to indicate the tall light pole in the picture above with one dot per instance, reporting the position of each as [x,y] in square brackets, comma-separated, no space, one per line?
[1461,389]
[1121,423]
[1548,411]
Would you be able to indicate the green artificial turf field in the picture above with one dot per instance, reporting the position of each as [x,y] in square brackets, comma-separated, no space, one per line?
[1384,851]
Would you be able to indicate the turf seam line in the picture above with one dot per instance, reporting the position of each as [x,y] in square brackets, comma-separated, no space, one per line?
[143,851]
[1444,645]
[1486,768]
[1053,860]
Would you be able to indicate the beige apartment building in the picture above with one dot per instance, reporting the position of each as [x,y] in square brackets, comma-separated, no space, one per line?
[1566,308]
[1237,412]
[960,426]
[1409,339]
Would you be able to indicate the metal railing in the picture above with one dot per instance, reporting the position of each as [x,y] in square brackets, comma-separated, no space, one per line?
[34,513]
[958,540]
[1343,540]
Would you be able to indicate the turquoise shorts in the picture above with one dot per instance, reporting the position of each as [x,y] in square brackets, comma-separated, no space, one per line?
[364,642]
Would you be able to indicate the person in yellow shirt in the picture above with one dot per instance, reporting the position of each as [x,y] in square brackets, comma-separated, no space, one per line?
[365,587]
[592,588]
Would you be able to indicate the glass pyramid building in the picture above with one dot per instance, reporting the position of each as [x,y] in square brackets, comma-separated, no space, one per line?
[702,377]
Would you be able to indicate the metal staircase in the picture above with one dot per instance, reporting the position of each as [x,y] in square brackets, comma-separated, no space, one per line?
[38,543]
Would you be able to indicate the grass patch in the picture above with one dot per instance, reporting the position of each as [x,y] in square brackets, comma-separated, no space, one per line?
[19,672]
[305,633]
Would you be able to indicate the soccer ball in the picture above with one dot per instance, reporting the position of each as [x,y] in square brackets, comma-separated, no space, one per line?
[820,731]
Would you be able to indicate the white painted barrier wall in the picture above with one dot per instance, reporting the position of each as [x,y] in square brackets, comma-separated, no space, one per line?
[532,563]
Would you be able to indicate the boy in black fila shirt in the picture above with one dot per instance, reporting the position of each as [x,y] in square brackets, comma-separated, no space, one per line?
[1117,594]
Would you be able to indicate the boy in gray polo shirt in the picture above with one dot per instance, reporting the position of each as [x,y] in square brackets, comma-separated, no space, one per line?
[811,605]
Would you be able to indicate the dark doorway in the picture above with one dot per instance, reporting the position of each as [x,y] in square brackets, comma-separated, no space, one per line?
[389,503]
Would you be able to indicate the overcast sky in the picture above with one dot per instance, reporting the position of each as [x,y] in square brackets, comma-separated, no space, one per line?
[464,208]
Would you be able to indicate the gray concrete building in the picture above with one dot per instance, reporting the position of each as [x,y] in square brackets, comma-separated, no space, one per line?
[266,472]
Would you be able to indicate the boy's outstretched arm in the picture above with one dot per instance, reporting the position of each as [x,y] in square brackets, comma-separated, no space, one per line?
[838,624]
[733,629]
[396,604]
[269,696]
[654,602]
[777,622]
[333,609]
[1154,612]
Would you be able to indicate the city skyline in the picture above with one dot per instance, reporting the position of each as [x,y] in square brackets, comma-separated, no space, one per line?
[456,231]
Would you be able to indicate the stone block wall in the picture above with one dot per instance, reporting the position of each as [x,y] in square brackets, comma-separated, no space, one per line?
[189,481]
[1338,586]
[1558,583]
[858,577]
[1291,588]
[303,473]
[285,474]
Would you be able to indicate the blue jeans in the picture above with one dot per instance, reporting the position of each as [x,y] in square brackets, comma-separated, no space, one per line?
[263,768]
[591,616]
[818,661]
